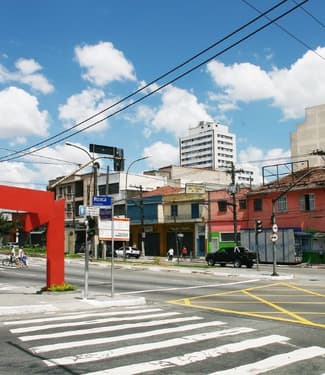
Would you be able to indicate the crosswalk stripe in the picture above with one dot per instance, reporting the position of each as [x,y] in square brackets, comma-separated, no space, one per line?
[131,336]
[78,315]
[275,362]
[89,322]
[89,331]
[140,348]
[190,358]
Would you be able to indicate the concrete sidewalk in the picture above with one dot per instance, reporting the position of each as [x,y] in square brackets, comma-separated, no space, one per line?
[15,301]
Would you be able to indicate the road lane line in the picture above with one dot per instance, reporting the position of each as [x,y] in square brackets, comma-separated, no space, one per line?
[193,357]
[89,331]
[89,322]
[78,315]
[275,362]
[131,336]
[189,287]
[278,308]
[140,348]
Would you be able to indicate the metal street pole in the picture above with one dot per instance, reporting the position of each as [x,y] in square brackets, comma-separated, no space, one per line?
[86,263]
[112,251]
[126,196]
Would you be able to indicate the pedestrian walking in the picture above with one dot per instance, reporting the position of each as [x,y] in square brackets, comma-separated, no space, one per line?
[184,251]
[170,254]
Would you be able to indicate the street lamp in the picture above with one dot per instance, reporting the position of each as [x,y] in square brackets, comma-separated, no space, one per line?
[94,165]
[126,195]
[126,181]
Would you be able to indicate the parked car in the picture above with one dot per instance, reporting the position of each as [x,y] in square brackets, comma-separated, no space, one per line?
[130,252]
[238,256]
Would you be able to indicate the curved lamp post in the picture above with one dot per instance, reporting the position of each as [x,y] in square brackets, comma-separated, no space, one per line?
[126,181]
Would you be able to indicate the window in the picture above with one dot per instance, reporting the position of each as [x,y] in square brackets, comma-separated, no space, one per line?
[174,210]
[222,205]
[195,212]
[282,204]
[307,202]
[242,204]
[258,204]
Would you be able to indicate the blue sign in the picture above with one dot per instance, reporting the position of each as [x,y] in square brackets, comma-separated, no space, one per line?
[102,200]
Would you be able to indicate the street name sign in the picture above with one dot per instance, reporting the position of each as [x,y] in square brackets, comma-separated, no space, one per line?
[102,200]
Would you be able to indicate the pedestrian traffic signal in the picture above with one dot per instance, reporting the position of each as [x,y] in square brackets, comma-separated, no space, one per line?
[91,231]
[258,226]
[119,159]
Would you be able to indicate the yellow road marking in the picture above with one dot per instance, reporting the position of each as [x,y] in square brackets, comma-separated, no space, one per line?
[290,316]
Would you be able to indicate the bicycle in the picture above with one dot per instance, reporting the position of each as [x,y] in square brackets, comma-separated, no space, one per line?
[12,261]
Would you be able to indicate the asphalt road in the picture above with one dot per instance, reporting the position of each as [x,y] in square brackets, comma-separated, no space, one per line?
[193,323]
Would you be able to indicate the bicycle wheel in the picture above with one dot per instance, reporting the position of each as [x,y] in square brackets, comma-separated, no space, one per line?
[6,262]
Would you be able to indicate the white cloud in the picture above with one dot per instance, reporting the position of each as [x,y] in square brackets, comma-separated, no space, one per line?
[291,90]
[180,110]
[84,105]
[26,74]
[18,174]
[254,158]
[104,63]
[161,154]
[20,115]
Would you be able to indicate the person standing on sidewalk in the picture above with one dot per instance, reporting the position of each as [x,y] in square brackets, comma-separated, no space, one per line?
[184,252]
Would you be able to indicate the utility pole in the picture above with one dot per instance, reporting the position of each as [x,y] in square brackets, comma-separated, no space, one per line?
[232,191]
[142,222]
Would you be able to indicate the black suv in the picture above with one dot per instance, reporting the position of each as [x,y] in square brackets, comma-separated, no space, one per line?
[237,255]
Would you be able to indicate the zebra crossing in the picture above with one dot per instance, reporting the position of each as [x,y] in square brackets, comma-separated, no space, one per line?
[138,340]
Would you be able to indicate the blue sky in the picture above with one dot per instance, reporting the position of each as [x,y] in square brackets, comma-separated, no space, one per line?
[64,61]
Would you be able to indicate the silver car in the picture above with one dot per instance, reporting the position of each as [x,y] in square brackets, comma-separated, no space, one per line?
[130,252]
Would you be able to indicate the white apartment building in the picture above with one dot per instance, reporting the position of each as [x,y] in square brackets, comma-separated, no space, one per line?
[211,146]
[208,145]
[308,137]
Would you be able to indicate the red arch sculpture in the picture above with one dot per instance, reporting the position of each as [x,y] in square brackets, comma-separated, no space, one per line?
[41,208]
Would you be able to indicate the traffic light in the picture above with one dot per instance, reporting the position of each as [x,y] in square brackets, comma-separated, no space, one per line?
[118,159]
[258,226]
[92,224]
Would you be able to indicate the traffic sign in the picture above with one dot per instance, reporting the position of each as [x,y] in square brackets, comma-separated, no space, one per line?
[274,237]
[102,200]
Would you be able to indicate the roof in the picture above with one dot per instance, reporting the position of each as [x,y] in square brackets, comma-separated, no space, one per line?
[313,177]
[163,190]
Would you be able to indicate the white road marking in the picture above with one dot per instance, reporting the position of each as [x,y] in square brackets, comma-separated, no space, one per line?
[78,315]
[90,322]
[131,336]
[14,310]
[190,287]
[89,331]
[140,348]
[190,358]
[275,362]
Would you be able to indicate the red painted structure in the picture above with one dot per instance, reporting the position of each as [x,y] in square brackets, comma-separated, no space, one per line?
[41,208]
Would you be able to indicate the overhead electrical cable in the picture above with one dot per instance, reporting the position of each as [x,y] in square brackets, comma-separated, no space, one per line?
[150,83]
[311,15]
[12,157]
[286,31]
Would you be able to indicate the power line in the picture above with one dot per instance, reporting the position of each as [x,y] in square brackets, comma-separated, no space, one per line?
[143,87]
[286,31]
[146,86]
[310,15]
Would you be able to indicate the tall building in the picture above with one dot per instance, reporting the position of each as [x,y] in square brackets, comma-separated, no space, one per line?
[309,137]
[208,145]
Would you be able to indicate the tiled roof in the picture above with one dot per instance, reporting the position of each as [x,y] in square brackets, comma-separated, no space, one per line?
[163,190]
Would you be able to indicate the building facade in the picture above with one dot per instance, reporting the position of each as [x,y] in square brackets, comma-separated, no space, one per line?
[309,137]
[208,145]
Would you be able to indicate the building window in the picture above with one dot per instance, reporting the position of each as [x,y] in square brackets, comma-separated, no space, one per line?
[222,205]
[174,210]
[242,204]
[195,212]
[282,204]
[307,202]
[258,204]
